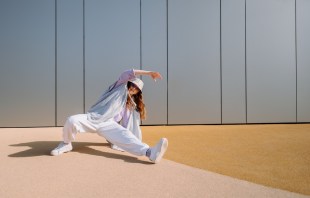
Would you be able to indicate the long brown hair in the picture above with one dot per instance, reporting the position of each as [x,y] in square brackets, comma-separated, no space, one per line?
[138,99]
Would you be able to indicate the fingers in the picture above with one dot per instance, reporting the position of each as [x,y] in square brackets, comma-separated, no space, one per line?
[157,75]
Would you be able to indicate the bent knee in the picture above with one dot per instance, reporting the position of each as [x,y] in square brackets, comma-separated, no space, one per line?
[73,119]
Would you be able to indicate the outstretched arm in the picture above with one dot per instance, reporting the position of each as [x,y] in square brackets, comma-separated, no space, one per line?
[154,75]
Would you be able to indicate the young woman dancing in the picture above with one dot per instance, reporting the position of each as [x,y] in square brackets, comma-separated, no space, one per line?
[116,117]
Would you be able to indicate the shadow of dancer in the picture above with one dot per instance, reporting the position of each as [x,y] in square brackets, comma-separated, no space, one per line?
[43,148]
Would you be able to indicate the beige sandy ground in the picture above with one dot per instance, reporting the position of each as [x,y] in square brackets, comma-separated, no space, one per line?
[275,155]
[94,170]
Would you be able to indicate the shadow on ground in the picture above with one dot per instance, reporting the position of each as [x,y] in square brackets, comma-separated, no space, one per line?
[43,148]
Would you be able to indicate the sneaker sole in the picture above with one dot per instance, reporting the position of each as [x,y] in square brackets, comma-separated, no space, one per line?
[163,149]
[56,154]
[117,148]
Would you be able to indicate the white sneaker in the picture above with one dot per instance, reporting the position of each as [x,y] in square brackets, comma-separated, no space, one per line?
[61,148]
[158,151]
[113,146]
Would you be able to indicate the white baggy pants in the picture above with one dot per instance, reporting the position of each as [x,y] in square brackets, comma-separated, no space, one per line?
[110,130]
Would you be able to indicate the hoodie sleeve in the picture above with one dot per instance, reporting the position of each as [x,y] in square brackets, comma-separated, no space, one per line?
[126,76]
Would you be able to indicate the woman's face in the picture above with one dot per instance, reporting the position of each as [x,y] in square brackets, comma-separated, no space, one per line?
[133,89]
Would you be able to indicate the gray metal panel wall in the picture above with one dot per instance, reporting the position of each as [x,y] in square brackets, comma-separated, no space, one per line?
[69,59]
[233,61]
[27,57]
[112,43]
[154,57]
[194,62]
[303,60]
[271,68]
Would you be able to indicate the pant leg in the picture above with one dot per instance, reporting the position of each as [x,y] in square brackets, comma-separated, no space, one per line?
[74,124]
[122,137]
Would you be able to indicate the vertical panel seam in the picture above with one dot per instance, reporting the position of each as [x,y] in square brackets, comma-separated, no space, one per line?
[167,26]
[221,77]
[296,60]
[141,35]
[140,58]
[245,61]
[84,57]
[56,59]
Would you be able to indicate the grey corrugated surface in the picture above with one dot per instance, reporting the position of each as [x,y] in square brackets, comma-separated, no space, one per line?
[27,63]
[271,67]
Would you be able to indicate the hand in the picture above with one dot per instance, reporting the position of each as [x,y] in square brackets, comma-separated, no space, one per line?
[152,74]
[156,75]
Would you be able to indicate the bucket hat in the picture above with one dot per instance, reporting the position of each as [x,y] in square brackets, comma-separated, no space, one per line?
[138,82]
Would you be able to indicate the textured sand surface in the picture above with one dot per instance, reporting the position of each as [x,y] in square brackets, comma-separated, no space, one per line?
[275,155]
[94,170]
